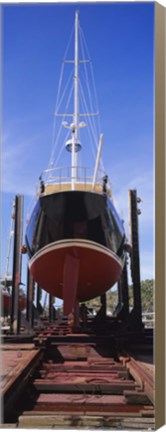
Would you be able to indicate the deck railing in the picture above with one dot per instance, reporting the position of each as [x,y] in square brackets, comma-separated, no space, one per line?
[59,179]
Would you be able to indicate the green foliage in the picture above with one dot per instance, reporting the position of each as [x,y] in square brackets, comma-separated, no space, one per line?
[95,303]
[112,300]
[147,297]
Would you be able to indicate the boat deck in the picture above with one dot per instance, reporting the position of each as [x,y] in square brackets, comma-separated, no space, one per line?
[61,187]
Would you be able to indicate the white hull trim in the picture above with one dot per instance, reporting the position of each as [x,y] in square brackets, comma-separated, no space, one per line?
[75,243]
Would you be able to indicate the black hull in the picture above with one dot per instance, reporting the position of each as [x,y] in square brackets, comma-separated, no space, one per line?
[74,215]
[75,244]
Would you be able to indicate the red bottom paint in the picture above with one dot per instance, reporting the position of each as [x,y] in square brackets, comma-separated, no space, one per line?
[98,269]
[6,302]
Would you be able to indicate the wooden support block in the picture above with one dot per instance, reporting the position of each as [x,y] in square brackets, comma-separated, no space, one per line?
[80,386]
[150,392]
[87,421]
[65,400]
[84,412]
[135,397]
[147,413]
[15,347]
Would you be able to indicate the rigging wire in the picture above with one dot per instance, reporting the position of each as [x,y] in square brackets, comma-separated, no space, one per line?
[69,42]
[87,83]
[87,100]
[56,121]
[57,103]
[92,74]
[92,122]
[61,127]
[89,119]
[62,147]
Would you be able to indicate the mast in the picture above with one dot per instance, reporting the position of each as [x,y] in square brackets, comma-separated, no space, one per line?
[73,145]
[76,102]
[76,107]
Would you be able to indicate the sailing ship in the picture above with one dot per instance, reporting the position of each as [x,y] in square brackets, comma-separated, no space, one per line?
[6,298]
[75,237]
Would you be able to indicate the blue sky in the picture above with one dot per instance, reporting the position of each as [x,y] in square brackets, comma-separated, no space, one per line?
[120,38]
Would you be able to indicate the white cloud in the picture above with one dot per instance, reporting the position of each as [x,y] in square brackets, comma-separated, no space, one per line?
[131,175]
[17,163]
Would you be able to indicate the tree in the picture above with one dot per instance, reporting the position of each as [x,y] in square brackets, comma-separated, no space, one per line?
[147,297]
[147,294]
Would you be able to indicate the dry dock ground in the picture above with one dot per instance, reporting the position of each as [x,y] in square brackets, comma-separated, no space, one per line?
[71,383]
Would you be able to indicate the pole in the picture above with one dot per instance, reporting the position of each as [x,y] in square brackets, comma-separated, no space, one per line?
[17,261]
[97,160]
[76,102]
[10,243]
[30,294]
[51,298]
[125,290]
[104,303]
[38,298]
[135,259]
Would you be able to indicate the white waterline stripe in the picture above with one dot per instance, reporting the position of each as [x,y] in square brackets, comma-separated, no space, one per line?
[72,243]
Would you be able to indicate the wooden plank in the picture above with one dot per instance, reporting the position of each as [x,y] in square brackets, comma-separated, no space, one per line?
[18,382]
[150,391]
[146,413]
[134,397]
[82,413]
[143,376]
[16,347]
[84,407]
[61,186]
[14,366]
[75,421]
[78,386]
[69,399]
[87,377]
[83,365]
[49,374]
